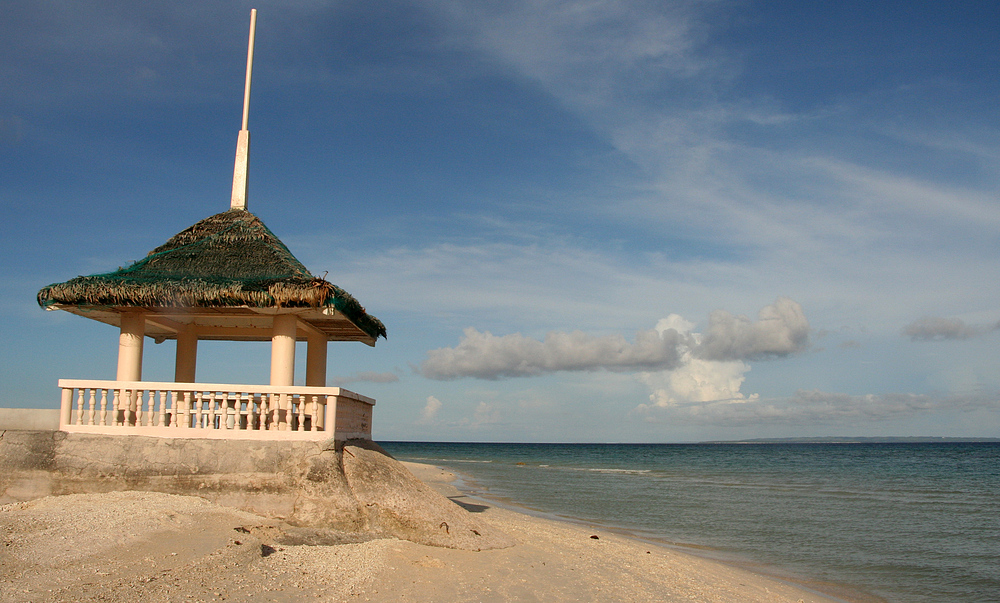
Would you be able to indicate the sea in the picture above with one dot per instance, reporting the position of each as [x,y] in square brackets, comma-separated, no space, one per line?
[896,522]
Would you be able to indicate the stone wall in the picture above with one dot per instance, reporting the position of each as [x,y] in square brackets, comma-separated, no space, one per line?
[340,490]
[35,419]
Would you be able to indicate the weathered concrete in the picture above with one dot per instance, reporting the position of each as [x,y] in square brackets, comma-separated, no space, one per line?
[35,419]
[346,490]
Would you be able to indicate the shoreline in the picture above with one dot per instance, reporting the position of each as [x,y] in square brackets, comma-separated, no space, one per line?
[453,484]
[147,547]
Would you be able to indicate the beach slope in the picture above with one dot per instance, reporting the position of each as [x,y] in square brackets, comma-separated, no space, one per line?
[157,547]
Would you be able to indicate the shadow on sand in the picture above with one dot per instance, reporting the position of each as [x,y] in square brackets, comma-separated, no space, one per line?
[468,506]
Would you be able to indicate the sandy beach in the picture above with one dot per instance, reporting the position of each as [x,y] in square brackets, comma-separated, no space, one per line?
[150,547]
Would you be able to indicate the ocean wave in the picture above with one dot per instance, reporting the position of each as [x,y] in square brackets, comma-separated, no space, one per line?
[605,470]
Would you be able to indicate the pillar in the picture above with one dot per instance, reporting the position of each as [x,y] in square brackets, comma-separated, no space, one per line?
[316,360]
[187,355]
[283,349]
[130,346]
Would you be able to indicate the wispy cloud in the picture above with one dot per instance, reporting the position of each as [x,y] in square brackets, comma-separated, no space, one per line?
[936,328]
[366,377]
[815,407]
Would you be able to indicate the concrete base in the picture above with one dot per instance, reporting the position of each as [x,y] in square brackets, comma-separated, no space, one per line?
[352,488]
[35,419]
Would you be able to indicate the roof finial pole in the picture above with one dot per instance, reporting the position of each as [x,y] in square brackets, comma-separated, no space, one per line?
[239,198]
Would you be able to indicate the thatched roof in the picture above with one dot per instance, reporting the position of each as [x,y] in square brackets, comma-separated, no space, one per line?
[228,260]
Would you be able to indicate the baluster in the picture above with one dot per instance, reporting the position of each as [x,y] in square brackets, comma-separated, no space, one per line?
[187,409]
[211,411]
[163,409]
[134,407]
[236,404]
[116,407]
[79,407]
[226,414]
[104,407]
[314,417]
[90,406]
[243,416]
[285,412]
[151,410]
[203,414]
[272,411]
[255,406]
[262,411]
[172,421]
[323,409]
[198,411]
[138,397]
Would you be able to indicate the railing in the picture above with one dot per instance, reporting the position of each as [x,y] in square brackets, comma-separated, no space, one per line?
[214,410]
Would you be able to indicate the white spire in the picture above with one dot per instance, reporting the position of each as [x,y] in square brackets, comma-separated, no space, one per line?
[243,142]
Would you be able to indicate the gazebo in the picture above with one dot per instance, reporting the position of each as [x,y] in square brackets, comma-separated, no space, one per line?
[229,278]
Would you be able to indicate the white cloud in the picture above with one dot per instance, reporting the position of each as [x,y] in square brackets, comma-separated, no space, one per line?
[697,381]
[586,53]
[817,408]
[486,356]
[485,414]
[430,410]
[932,328]
[782,329]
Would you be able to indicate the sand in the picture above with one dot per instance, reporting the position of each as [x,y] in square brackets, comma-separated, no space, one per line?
[150,547]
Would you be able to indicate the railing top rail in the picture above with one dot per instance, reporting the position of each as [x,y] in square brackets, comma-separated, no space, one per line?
[217,387]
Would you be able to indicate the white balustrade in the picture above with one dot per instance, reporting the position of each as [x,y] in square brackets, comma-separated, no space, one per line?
[214,410]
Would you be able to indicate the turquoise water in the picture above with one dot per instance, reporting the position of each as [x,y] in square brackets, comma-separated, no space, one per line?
[904,522]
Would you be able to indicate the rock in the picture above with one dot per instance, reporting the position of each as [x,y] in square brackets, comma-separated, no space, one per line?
[399,504]
[328,491]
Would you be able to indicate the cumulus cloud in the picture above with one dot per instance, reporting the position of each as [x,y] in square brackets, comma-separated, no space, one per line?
[487,356]
[781,329]
[935,328]
[430,410]
[706,366]
[485,414]
[697,381]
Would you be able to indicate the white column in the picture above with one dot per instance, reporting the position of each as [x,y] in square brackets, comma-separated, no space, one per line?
[240,169]
[187,355]
[316,360]
[130,346]
[283,349]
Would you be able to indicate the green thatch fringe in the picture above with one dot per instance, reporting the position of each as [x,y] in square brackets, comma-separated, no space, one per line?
[229,259]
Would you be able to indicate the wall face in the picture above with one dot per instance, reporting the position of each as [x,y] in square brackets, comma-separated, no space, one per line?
[31,419]
[353,488]
[354,420]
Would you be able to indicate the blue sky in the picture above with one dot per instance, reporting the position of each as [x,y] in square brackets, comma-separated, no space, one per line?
[580,221]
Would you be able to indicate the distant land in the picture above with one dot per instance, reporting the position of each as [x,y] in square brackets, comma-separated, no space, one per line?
[856,440]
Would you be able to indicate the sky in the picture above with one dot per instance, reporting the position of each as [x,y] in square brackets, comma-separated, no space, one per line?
[580,221]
